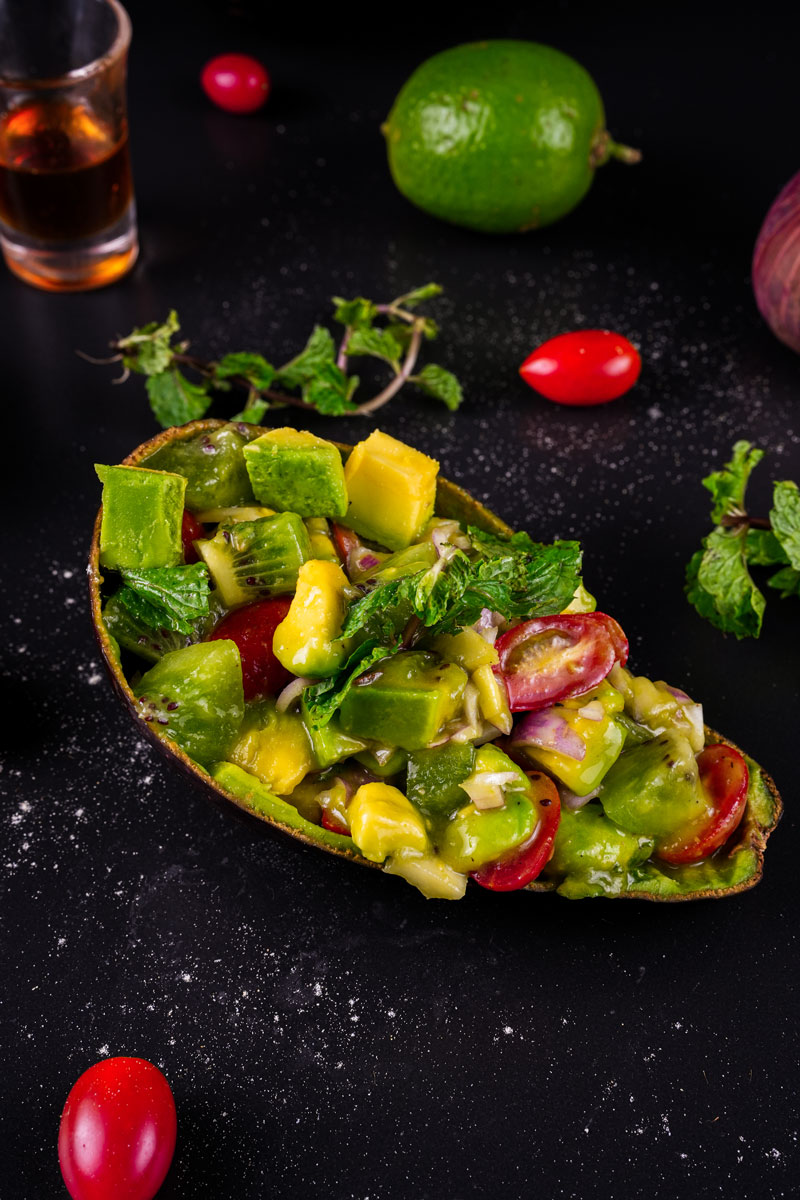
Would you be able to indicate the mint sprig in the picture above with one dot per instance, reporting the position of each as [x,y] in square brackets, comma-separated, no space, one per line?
[181,386]
[171,598]
[718,579]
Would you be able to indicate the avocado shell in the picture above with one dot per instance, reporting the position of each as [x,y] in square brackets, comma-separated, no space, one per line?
[741,860]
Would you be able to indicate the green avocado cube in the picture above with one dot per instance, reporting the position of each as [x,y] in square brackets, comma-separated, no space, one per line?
[294,471]
[404,701]
[142,517]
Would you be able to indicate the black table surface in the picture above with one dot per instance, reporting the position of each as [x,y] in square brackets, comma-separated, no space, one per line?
[326,1031]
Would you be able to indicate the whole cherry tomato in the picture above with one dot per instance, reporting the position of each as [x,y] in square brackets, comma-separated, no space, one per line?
[552,658]
[252,629]
[117,1133]
[236,82]
[191,530]
[522,864]
[590,366]
[725,779]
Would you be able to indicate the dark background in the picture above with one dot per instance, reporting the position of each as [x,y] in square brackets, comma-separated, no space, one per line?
[326,1031]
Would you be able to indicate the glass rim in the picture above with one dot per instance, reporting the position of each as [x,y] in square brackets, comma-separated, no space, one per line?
[116,50]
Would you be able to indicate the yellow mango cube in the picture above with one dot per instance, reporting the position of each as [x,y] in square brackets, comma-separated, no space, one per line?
[307,640]
[391,489]
[383,821]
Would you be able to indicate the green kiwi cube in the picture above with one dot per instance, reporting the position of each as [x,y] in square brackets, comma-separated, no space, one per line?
[294,471]
[142,517]
[212,464]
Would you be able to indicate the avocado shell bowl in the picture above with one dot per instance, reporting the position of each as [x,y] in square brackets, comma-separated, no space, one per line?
[736,867]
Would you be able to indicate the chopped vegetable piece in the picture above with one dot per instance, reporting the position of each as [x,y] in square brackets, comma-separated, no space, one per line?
[294,471]
[392,490]
[142,518]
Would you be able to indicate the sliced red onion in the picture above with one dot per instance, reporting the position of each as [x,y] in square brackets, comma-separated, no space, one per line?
[549,731]
[291,692]
[677,693]
[488,620]
[776,265]
[571,800]
[366,561]
[448,534]
[486,788]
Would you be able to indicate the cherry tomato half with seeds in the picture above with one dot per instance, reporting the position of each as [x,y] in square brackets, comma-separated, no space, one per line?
[191,530]
[117,1132]
[524,863]
[590,366]
[552,658]
[252,629]
[725,780]
[236,82]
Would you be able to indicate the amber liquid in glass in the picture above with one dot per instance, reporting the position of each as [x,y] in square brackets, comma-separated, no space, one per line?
[63,173]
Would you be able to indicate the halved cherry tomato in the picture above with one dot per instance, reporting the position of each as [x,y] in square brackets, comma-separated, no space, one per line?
[191,530]
[252,629]
[552,658]
[590,366]
[725,780]
[522,864]
[236,82]
[331,821]
[117,1132]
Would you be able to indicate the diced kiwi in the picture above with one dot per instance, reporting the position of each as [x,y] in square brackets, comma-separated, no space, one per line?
[253,559]
[194,697]
[435,776]
[213,466]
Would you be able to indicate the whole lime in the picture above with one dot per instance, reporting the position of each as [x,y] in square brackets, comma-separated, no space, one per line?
[499,136]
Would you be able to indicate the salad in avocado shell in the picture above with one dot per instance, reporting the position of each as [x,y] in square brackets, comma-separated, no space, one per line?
[350,648]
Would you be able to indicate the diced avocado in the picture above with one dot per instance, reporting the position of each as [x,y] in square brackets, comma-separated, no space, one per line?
[274,746]
[392,490]
[434,777]
[152,644]
[213,466]
[476,836]
[319,535]
[253,559]
[142,517]
[492,698]
[383,760]
[294,471]
[383,821]
[258,797]
[404,700]
[308,641]
[467,648]
[654,788]
[331,744]
[593,717]
[428,873]
[588,841]
[194,697]
[582,601]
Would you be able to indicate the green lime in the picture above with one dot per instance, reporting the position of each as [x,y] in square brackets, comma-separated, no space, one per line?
[499,136]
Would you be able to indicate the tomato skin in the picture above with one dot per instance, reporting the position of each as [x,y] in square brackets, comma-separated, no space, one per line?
[333,823]
[526,862]
[725,779]
[590,366]
[191,530]
[117,1132]
[252,628]
[534,681]
[236,83]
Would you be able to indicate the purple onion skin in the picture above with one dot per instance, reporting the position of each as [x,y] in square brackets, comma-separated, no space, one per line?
[776,266]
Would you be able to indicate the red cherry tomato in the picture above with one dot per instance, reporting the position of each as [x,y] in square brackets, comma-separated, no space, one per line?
[590,366]
[252,629]
[191,530]
[725,779]
[522,864]
[334,823]
[117,1133]
[552,658]
[236,82]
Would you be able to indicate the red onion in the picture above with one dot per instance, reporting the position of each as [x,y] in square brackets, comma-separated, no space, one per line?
[547,730]
[291,692]
[776,266]
[571,800]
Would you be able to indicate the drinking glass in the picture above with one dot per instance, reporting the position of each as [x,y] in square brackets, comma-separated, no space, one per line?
[67,211]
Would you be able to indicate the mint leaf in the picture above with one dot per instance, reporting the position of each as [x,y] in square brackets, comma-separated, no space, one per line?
[175,400]
[166,597]
[319,351]
[358,313]
[787,581]
[379,343]
[252,413]
[785,519]
[728,486]
[321,700]
[442,385]
[418,296]
[147,350]
[719,585]
[329,390]
[762,548]
[253,368]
